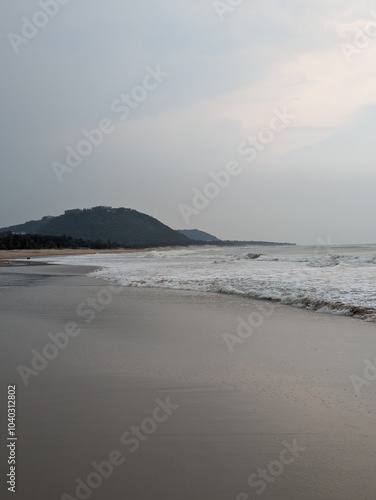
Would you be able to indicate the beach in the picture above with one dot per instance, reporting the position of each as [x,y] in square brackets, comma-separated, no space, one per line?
[8,257]
[182,394]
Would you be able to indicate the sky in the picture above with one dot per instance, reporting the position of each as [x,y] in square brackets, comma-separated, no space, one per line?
[247,119]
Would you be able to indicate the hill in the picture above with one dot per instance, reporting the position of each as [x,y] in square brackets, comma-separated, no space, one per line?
[197,235]
[120,225]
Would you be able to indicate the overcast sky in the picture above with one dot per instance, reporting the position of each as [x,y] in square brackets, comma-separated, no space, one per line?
[203,78]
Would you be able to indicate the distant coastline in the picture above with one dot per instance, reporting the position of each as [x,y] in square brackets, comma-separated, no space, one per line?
[14,245]
[105,228]
[6,256]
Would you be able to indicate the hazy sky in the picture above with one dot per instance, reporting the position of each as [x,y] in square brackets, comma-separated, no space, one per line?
[182,89]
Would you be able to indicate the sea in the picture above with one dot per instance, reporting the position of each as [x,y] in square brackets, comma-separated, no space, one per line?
[332,279]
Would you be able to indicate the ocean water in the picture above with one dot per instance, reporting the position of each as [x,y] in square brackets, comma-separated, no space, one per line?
[331,279]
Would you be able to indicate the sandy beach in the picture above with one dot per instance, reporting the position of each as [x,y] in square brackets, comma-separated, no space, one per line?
[7,256]
[148,390]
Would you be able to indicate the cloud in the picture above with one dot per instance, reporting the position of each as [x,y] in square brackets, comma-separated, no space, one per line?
[224,80]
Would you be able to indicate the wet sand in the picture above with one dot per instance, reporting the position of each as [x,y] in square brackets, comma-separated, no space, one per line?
[286,386]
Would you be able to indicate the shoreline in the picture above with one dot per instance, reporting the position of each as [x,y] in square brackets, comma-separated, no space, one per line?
[7,256]
[365,314]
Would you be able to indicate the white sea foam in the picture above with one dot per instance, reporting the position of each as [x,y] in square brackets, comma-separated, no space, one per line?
[341,280]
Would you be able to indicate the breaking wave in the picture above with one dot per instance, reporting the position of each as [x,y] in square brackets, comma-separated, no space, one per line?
[337,283]
[320,260]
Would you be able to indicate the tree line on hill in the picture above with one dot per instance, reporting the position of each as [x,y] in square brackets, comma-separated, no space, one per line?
[30,241]
[14,241]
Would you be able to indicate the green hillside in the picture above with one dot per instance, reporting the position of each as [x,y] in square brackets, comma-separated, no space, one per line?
[120,225]
[197,235]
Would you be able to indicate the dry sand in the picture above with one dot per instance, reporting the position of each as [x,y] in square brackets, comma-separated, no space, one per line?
[237,412]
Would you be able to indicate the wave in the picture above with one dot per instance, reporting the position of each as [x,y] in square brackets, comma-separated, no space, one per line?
[154,254]
[321,260]
[335,283]
[311,303]
[295,298]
